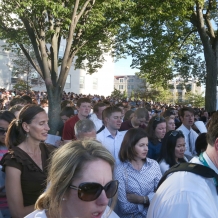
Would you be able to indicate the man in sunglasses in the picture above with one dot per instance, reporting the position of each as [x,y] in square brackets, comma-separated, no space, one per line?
[185,194]
[186,115]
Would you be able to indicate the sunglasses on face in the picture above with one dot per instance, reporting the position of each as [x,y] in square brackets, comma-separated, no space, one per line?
[176,132]
[90,191]
[3,131]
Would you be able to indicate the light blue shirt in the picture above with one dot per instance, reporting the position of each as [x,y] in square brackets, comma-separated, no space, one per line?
[110,142]
[141,182]
[186,195]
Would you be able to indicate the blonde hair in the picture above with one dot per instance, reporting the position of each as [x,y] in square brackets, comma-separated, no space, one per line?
[66,165]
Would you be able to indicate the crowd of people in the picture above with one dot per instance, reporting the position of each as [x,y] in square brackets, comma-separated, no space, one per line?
[109,147]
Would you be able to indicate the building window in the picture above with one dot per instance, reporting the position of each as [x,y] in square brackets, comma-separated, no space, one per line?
[121,80]
[95,83]
[82,82]
[68,82]
[128,87]
[131,80]
[120,86]
[132,86]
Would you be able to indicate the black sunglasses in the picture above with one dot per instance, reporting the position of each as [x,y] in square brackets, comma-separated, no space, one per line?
[176,132]
[3,131]
[90,191]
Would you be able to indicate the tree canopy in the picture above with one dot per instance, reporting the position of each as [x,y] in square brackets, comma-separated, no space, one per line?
[59,31]
[174,37]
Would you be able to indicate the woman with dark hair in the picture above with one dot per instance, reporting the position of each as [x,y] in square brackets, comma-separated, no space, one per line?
[172,151]
[5,119]
[25,164]
[138,175]
[156,130]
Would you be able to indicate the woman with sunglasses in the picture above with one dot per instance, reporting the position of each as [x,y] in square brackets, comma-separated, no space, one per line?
[80,183]
[172,151]
[138,175]
[156,130]
[25,164]
[5,119]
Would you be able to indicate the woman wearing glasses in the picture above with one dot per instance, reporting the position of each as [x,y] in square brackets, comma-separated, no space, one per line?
[25,164]
[5,119]
[172,151]
[138,175]
[156,131]
[80,183]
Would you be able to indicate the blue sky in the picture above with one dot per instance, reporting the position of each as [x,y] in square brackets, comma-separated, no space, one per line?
[122,67]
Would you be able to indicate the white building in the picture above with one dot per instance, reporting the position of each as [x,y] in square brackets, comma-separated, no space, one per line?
[78,81]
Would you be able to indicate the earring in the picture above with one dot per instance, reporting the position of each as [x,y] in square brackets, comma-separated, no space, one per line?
[63,199]
[27,135]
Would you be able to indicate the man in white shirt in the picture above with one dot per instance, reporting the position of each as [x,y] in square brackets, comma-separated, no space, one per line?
[96,117]
[110,137]
[186,115]
[185,194]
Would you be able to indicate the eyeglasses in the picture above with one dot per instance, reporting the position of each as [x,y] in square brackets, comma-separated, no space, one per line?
[176,132]
[90,191]
[3,131]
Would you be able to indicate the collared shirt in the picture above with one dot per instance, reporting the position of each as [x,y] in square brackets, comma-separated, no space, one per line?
[193,138]
[186,194]
[110,142]
[141,182]
[98,123]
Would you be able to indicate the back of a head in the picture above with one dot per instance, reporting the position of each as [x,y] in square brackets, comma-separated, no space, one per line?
[141,113]
[67,111]
[201,143]
[97,105]
[27,98]
[168,113]
[84,126]
[7,116]
[16,133]
[67,164]
[16,101]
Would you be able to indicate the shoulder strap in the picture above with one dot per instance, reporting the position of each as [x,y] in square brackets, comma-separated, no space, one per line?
[192,168]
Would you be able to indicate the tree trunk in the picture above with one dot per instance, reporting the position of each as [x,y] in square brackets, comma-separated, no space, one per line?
[54,99]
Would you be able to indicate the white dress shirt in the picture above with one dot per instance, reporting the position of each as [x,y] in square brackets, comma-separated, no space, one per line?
[110,142]
[163,166]
[186,195]
[193,138]
[98,123]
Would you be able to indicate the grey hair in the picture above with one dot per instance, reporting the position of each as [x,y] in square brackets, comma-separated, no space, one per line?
[83,126]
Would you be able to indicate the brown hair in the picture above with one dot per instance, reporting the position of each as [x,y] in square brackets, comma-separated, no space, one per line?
[212,133]
[16,134]
[83,100]
[184,109]
[127,149]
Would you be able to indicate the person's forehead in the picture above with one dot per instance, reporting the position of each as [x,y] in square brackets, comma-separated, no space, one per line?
[85,104]
[116,114]
[188,113]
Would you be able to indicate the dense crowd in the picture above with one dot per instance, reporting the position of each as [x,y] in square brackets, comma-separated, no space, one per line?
[107,146]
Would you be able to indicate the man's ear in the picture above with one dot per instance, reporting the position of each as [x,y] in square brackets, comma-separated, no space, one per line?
[216,145]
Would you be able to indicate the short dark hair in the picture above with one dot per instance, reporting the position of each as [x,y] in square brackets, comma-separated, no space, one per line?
[17,100]
[201,143]
[127,149]
[107,112]
[67,111]
[83,100]
[153,122]
[65,103]
[7,116]
[184,109]
[27,98]
[98,105]
[168,148]
[16,134]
